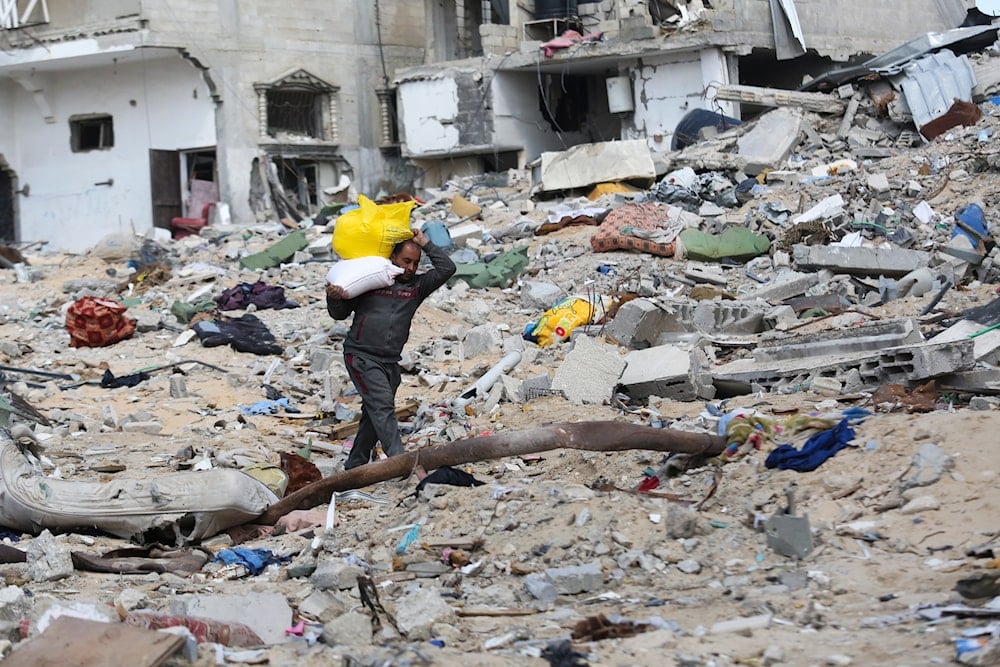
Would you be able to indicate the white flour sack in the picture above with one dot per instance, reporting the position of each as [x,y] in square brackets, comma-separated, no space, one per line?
[363,274]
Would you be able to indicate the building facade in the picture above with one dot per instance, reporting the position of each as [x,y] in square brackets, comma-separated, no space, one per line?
[513,83]
[121,115]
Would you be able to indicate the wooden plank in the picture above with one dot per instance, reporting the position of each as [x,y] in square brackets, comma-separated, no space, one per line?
[84,643]
[346,429]
[494,611]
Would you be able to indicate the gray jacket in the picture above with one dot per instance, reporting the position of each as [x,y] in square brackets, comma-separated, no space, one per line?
[382,317]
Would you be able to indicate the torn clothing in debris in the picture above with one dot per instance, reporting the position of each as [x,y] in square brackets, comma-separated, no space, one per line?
[244,334]
[260,294]
[109,381]
[814,452]
[448,475]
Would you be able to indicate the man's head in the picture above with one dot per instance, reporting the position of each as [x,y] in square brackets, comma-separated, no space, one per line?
[406,255]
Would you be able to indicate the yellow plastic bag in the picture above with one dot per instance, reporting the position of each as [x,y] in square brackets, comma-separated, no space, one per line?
[559,321]
[372,229]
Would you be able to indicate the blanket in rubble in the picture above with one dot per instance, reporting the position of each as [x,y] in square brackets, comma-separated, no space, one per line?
[96,322]
[260,294]
[649,227]
[244,334]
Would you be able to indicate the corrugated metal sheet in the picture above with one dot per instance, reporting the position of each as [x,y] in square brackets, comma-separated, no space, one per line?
[931,84]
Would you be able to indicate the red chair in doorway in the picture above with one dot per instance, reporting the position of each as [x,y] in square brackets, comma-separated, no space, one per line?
[181,227]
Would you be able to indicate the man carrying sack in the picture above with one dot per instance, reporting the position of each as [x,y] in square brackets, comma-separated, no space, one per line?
[380,329]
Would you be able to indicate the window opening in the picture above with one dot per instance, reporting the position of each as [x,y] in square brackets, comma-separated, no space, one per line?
[90,133]
[295,112]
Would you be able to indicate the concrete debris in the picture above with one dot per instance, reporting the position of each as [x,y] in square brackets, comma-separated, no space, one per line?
[588,164]
[877,290]
[590,371]
[770,142]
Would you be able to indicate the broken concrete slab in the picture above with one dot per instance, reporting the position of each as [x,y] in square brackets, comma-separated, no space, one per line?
[903,365]
[466,234]
[770,142]
[421,609]
[642,323]
[601,162]
[985,381]
[540,295]
[576,579]
[480,340]
[872,262]
[776,97]
[786,285]
[267,614]
[867,338]
[986,346]
[666,371]
[590,372]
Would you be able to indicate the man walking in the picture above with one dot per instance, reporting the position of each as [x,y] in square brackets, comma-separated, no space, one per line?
[378,333]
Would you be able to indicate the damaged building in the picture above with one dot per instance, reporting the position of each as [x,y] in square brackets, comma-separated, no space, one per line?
[520,80]
[130,116]
[125,115]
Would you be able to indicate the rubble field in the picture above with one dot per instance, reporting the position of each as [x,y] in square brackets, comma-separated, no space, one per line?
[564,556]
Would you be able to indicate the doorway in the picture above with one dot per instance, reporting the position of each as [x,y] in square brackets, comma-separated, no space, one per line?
[8,221]
[182,182]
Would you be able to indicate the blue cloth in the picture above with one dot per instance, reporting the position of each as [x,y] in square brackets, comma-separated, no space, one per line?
[814,452]
[267,407]
[254,560]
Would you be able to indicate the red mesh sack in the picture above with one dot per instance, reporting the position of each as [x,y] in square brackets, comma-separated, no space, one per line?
[96,322]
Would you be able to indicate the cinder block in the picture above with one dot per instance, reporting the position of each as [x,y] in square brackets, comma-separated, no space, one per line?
[638,323]
[666,371]
[727,317]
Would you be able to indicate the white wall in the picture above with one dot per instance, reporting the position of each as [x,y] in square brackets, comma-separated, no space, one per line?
[161,103]
[666,88]
[428,109]
[8,145]
[519,120]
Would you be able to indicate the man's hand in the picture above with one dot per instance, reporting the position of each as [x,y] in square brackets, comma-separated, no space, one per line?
[335,292]
[419,238]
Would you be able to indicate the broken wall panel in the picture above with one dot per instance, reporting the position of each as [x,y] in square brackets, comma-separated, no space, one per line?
[668,87]
[855,27]
[903,365]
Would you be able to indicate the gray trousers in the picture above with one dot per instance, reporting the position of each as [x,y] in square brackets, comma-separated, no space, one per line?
[377,383]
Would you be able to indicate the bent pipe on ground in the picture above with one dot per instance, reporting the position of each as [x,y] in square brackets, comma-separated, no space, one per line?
[595,436]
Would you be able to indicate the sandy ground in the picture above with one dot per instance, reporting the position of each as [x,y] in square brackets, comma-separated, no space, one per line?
[850,601]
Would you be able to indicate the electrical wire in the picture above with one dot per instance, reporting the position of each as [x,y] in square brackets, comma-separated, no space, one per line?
[381,51]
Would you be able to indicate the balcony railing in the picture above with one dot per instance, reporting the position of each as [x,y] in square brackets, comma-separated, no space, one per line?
[21,13]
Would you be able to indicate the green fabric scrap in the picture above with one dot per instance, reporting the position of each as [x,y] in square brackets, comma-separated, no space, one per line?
[185,311]
[277,254]
[498,272]
[738,243]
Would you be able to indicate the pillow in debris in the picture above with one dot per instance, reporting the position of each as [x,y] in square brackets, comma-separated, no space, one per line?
[364,274]
[96,322]
[646,227]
